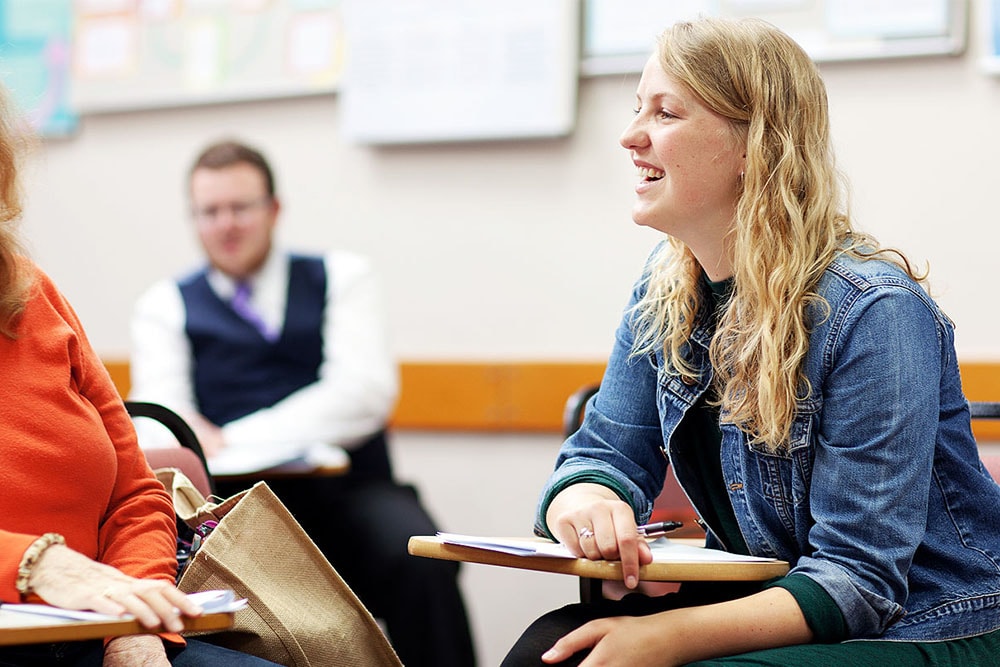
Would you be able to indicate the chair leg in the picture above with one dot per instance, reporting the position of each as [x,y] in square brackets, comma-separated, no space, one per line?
[590,589]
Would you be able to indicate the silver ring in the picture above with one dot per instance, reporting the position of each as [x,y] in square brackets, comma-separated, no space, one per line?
[585,532]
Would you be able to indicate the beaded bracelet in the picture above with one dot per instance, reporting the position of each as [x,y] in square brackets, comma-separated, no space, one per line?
[30,558]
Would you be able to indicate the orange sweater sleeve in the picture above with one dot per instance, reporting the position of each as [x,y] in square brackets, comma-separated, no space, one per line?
[72,464]
[139,532]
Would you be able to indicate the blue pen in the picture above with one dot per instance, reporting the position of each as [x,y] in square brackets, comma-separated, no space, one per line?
[658,528]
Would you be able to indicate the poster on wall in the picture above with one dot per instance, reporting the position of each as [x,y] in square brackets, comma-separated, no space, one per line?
[614,41]
[136,54]
[431,71]
[619,36]
[35,63]
[991,36]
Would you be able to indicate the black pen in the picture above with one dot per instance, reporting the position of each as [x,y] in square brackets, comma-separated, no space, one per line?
[659,528]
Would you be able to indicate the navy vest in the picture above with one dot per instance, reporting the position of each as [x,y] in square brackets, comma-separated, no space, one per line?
[236,370]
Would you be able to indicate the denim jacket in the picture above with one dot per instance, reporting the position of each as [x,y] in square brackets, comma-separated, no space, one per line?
[880,496]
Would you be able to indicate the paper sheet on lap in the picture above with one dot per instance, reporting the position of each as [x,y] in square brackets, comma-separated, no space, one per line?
[212,602]
[243,460]
[664,550]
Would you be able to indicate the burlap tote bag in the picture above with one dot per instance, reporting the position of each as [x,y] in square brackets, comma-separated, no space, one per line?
[300,613]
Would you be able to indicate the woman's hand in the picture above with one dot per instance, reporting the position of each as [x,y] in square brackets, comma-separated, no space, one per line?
[135,651]
[68,579]
[680,636]
[593,522]
[628,641]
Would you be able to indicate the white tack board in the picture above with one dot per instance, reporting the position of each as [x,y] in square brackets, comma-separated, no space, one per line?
[141,54]
[447,70]
[619,35]
[990,35]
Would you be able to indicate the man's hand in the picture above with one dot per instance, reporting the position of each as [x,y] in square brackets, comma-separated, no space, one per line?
[209,435]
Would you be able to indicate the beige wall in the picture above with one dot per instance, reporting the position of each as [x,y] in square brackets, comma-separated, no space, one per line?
[514,250]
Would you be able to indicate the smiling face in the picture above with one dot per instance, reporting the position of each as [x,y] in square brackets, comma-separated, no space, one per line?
[235,217]
[689,162]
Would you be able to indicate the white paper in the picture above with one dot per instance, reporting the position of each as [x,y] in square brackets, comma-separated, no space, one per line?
[105,45]
[56,612]
[312,42]
[213,602]
[294,458]
[217,601]
[664,550]
[322,455]
[102,6]
[243,460]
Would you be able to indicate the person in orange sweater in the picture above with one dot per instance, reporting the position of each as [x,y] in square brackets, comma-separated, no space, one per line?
[84,524]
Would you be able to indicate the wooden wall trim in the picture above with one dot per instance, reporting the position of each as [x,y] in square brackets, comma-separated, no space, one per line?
[457,396]
[489,396]
[118,370]
[981,382]
[530,396]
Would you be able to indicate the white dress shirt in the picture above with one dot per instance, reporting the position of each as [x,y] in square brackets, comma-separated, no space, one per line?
[358,380]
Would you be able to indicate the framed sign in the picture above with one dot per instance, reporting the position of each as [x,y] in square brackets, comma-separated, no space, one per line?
[429,71]
[619,36]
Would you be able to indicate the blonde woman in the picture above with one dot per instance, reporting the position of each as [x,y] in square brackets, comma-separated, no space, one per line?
[83,522]
[798,380]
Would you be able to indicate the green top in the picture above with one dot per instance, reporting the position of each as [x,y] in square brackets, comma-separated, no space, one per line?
[699,440]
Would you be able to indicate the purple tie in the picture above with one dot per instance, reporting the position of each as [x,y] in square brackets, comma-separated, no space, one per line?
[241,306]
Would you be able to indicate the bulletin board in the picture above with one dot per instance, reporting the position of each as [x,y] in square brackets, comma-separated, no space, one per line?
[619,36]
[991,36]
[34,62]
[135,54]
[447,70]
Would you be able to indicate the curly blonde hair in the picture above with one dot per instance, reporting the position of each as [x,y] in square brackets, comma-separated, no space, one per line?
[15,277]
[790,222]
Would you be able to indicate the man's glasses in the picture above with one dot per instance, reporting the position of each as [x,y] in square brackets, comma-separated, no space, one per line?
[241,211]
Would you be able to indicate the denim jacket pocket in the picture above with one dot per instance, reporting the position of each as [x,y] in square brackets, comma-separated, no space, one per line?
[784,475]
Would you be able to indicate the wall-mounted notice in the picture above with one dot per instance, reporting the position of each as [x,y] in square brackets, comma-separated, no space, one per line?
[134,54]
[447,70]
[34,62]
[991,36]
[618,36]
